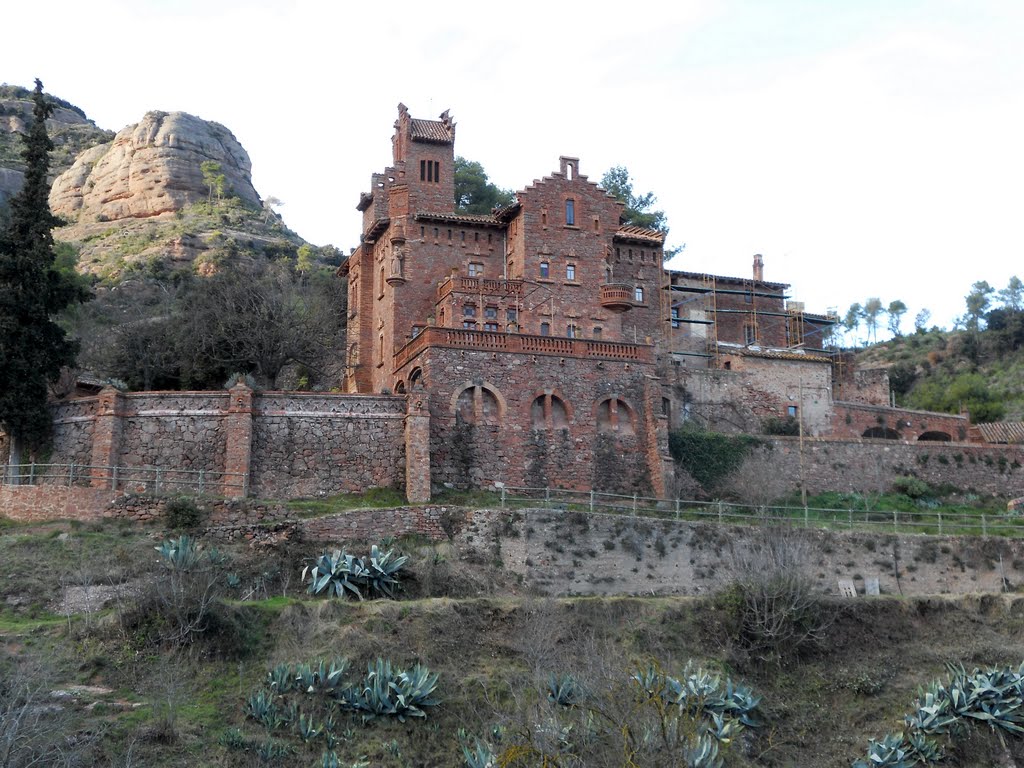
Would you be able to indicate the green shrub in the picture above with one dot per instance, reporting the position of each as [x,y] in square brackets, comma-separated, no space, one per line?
[911,486]
[709,457]
[183,514]
[787,426]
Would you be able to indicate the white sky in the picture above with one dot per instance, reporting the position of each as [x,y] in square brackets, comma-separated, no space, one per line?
[865,147]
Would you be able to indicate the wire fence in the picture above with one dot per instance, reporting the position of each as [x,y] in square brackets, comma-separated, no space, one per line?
[140,480]
[938,521]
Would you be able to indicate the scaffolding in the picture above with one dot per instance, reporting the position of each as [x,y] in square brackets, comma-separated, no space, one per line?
[711,313]
[794,324]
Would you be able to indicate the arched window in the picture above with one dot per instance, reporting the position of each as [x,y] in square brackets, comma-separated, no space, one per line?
[549,411]
[882,433]
[416,379]
[478,404]
[614,415]
[638,295]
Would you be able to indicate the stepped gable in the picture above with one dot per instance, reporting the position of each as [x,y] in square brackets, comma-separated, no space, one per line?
[152,168]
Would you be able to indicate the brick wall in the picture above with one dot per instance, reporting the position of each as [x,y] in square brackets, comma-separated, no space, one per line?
[34,503]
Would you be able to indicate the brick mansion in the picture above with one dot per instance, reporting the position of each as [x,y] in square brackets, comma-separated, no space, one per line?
[550,345]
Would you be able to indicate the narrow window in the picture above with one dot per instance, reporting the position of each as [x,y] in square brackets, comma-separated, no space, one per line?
[791,410]
[462,235]
[476,269]
[597,224]
[545,329]
[423,170]
[570,331]
[750,334]
[618,254]
[381,294]
[545,269]
[638,295]
[511,315]
[449,234]
[423,231]
[437,170]
[488,237]
[544,218]
[476,237]
[748,297]
[436,232]
[597,331]
[570,271]
[568,171]
[570,212]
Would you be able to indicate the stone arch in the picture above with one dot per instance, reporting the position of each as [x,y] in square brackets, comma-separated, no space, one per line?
[550,410]
[935,436]
[416,379]
[882,433]
[400,387]
[479,403]
[615,415]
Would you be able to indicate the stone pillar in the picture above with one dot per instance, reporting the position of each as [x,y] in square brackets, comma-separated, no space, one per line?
[417,449]
[106,437]
[659,460]
[238,453]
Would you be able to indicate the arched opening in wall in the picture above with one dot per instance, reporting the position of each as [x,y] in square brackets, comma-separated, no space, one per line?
[400,387]
[416,379]
[549,411]
[615,416]
[938,437]
[881,433]
[479,405]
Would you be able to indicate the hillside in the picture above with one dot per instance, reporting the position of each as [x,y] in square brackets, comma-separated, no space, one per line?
[941,370]
[101,629]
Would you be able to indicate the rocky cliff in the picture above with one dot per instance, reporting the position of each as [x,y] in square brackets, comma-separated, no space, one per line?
[69,128]
[152,168]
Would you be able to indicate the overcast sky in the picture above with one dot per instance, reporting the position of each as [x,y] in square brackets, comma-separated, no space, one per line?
[865,147]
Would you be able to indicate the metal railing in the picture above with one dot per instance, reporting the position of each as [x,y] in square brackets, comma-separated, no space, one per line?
[941,522]
[140,480]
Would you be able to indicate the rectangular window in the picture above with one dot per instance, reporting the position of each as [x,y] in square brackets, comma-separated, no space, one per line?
[417,330]
[597,331]
[476,269]
[469,324]
[570,212]
[511,315]
[791,410]
[545,329]
[469,310]
[749,334]
[430,170]
[748,298]
[545,269]
[570,331]
[570,271]
[462,235]
[491,313]
[675,317]
[423,170]
[638,295]
[491,327]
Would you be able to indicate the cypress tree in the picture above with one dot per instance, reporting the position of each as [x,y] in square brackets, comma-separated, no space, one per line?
[33,347]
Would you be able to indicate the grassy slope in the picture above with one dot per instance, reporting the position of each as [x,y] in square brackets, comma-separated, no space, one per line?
[820,711]
[941,357]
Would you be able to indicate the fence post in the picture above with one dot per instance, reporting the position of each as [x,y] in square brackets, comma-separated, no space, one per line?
[984,525]
[71,474]
[895,522]
[202,480]
[677,508]
[32,473]
[851,518]
[719,512]
[503,496]
[547,498]
[940,523]
[113,478]
[634,505]
[156,482]
[245,484]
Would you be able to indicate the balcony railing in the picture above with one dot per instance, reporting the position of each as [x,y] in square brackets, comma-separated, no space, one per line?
[489,341]
[617,297]
[479,285]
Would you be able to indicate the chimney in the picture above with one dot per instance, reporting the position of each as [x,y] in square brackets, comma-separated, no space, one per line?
[758,267]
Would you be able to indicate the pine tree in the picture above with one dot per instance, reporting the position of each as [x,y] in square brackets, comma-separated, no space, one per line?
[33,348]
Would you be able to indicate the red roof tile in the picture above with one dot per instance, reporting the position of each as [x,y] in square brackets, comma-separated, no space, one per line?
[431,131]
[629,232]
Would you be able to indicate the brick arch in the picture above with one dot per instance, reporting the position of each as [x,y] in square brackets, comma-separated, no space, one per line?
[416,379]
[938,437]
[478,402]
[550,409]
[615,414]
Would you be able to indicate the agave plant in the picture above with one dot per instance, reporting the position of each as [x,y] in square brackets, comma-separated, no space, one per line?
[281,679]
[385,693]
[923,750]
[382,569]
[703,753]
[741,703]
[260,706]
[933,712]
[307,728]
[721,728]
[890,752]
[335,572]
[181,554]
[650,680]
[565,690]
[480,756]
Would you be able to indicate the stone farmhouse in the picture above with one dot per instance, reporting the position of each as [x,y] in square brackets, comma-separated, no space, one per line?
[550,345]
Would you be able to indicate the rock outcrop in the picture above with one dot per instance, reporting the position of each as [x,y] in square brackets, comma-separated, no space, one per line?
[152,168]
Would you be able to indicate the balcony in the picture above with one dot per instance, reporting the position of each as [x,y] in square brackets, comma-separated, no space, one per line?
[519,343]
[617,297]
[478,286]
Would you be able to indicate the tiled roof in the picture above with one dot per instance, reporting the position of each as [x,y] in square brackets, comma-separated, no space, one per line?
[457,218]
[773,354]
[629,232]
[432,131]
[1002,432]
[726,279]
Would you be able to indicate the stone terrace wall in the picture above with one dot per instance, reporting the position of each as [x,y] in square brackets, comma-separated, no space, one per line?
[179,430]
[73,431]
[308,445]
[870,466]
